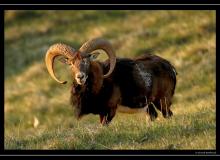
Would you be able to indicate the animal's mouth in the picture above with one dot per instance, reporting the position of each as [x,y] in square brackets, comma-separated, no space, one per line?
[81,81]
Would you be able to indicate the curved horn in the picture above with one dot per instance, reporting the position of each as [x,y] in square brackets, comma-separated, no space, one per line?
[54,51]
[100,43]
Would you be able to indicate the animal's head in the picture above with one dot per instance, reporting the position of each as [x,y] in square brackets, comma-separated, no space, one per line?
[80,60]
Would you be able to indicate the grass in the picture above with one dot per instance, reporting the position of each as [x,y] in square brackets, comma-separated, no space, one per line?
[186,38]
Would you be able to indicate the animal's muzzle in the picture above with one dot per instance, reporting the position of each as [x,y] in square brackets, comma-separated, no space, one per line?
[80,78]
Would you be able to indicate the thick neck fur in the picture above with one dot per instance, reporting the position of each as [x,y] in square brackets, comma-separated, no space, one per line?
[96,77]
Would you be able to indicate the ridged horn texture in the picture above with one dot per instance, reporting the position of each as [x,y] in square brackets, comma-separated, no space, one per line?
[100,43]
[54,51]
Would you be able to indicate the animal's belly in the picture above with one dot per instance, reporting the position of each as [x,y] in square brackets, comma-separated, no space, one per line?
[125,109]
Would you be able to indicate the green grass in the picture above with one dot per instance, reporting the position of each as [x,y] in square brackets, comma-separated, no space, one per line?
[186,38]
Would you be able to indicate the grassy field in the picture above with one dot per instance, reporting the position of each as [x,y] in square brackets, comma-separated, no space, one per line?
[186,38]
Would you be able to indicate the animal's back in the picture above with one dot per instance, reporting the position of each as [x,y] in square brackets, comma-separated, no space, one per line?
[145,79]
[151,62]
[163,72]
[142,76]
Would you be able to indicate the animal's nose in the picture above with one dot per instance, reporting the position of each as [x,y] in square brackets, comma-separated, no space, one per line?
[80,76]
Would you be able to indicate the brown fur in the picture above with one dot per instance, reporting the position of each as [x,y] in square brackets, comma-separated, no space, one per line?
[125,87]
[97,73]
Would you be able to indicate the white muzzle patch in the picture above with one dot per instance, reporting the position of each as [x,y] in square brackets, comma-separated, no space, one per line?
[81,78]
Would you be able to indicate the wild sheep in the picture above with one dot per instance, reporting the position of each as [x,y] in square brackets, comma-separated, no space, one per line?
[121,84]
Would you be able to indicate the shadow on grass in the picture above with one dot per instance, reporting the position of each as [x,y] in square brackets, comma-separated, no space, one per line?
[19,16]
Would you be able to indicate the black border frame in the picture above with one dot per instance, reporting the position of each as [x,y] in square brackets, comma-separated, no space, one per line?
[110,2]
[129,153]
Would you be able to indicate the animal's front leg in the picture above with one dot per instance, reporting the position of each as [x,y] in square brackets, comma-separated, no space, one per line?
[102,119]
[106,119]
[110,115]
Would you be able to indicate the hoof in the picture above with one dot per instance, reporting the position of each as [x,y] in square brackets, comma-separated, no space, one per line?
[168,114]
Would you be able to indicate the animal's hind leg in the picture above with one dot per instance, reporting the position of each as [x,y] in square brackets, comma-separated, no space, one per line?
[164,106]
[152,112]
[166,111]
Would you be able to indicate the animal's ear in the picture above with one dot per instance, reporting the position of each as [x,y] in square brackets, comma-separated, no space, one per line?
[93,56]
[64,60]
